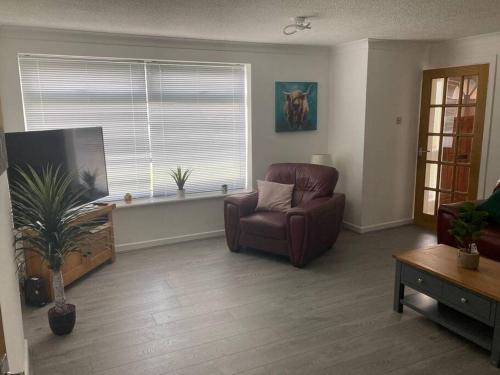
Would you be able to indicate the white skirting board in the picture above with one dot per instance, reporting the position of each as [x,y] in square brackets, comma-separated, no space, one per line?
[120,248]
[27,358]
[375,227]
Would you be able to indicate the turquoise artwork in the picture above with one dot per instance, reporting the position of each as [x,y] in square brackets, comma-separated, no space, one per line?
[296,106]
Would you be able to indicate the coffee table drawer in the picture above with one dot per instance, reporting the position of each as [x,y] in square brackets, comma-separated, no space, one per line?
[422,281]
[468,302]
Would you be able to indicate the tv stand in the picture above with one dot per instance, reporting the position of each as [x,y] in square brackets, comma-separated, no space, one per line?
[99,249]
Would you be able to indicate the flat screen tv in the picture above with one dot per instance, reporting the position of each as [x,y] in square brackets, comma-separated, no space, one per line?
[76,151]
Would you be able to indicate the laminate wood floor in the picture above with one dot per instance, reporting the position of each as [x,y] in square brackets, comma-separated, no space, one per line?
[197,309]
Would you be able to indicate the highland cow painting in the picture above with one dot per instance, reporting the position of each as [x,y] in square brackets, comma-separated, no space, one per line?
[296,106]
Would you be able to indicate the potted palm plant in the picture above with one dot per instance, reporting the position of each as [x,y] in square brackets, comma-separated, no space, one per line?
[46,209]
[466,229]
[180,179]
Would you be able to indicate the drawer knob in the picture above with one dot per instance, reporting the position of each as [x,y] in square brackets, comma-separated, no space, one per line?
[463,300]
[420,280]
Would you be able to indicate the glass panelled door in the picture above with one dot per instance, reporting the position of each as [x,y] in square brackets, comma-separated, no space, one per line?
[451,130]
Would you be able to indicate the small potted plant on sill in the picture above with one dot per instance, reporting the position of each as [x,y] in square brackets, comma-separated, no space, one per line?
[466,230]
[180,177]
[46,209]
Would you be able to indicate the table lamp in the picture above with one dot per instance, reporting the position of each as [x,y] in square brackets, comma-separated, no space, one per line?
[322,159]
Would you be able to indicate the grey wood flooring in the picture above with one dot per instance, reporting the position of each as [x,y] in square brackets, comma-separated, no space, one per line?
[197,309]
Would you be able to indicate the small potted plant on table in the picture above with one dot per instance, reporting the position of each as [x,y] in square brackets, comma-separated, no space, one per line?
[46,209]
[180,179]
[466,230]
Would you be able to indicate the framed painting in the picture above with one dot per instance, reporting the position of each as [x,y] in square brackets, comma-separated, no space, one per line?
[296,106]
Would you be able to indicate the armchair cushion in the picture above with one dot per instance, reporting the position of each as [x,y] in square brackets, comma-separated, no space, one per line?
[274,196]
[269,224]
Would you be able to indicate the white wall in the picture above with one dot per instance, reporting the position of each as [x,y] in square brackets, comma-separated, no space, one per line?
[393,89]
[143,226]
[10,302]
[482,49]
[348,79]
[371,83]
[269,63]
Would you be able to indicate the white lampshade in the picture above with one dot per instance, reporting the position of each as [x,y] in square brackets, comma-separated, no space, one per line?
[322,159]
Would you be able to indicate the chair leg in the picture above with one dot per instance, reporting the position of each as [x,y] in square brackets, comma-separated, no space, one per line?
[297,264]
[236,249]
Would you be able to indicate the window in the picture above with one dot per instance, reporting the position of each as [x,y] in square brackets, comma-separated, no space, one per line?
[155,116]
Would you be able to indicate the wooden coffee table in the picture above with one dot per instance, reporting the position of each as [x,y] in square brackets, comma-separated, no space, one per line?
[464,301]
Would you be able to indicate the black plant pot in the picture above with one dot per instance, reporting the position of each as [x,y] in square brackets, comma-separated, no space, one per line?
[62,323]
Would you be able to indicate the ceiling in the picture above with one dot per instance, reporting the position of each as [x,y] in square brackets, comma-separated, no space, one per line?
[336,21]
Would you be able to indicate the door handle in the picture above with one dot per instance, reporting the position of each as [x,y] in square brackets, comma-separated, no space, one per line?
[422,152]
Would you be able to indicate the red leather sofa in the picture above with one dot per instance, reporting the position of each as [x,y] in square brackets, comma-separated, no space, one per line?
[488,245]
[309,228]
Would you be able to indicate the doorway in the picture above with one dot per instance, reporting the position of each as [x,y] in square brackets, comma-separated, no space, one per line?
[450,138]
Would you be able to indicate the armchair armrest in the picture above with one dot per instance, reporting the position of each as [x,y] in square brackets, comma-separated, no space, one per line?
[314,227]
[235,207]
[246,202]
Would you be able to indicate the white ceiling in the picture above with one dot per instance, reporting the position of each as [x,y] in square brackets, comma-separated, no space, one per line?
[262,20]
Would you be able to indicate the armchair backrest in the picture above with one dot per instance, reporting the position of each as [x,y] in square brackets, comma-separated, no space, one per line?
[311,181]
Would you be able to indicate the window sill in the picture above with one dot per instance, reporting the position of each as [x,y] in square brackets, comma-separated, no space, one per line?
[139,202]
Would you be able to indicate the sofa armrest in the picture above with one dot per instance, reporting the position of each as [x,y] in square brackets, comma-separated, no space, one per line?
[453,209]
[235,207]
[446,214]
[314,227]
[246,203]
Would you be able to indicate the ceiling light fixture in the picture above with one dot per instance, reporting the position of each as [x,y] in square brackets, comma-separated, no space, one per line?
[300,23]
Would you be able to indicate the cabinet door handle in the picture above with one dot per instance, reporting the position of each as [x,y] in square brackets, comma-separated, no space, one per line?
[463,300]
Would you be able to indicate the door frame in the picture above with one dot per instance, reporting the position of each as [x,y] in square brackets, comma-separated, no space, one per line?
[482,71]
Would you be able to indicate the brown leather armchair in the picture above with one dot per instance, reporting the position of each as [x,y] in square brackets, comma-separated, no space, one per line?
[488,245]
[309,228]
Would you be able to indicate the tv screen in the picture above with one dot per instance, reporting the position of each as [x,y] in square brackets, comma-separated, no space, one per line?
[76,151]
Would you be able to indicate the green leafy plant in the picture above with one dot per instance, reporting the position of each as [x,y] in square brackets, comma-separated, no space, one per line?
[46,210]
[180,177]
[466,229]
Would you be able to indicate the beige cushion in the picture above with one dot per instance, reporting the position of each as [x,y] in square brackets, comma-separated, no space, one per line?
[274,196]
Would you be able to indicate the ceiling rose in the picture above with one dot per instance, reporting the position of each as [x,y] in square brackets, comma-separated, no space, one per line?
[300,23]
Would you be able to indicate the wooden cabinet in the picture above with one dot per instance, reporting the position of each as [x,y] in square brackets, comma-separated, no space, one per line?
[97,248]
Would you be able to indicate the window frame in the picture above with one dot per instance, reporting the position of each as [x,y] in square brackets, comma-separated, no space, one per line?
[144,62]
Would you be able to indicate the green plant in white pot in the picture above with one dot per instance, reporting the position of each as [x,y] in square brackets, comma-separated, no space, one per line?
[466,229]
[180,177]
[46,209]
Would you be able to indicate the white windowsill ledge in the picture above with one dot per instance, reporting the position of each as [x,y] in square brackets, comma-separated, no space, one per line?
[138,202]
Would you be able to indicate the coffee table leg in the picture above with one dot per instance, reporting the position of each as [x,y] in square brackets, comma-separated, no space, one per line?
[399,289]
[495,351]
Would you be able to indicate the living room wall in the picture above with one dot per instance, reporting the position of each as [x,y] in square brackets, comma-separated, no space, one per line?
[163,223]
[346,139]
[10,301]
[393,90]
[371,83]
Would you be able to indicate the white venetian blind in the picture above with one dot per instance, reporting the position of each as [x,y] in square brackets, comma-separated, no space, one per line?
[197,117]
[155,117]
[72,93]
